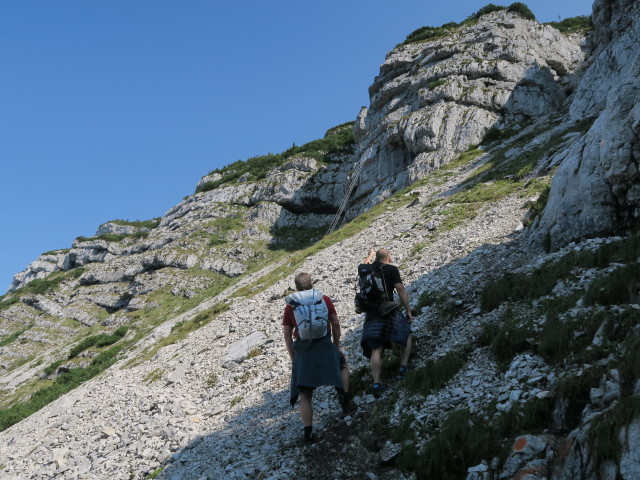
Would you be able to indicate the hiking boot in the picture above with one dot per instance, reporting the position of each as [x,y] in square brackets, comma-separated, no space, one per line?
[349,407]
[377,389]
[402,372]
[310,439]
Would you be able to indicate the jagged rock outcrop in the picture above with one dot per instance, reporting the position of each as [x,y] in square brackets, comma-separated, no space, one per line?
[434,99]
[596,188]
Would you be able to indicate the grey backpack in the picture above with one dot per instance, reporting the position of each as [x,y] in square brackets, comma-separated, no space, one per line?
[311,313]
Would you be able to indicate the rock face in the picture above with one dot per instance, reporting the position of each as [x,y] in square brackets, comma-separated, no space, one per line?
[200,385]
[596,188]
[432,100]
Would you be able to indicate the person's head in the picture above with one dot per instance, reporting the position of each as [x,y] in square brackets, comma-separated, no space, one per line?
[303,281]
[383,255]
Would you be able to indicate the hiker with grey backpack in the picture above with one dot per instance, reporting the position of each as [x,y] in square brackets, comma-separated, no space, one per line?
[312,337]
[384,322]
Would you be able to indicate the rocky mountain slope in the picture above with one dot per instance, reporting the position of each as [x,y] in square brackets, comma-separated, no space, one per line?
[496,160]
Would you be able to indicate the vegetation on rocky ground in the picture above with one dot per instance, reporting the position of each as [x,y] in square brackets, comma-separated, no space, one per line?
[580,24]
[431,33]
[337,140]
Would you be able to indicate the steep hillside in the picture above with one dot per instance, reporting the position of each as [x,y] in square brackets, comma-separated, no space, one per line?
[154,349]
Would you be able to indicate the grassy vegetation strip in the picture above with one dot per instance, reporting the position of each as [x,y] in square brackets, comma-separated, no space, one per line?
[61,385]
[13,336]
[153,223]
[464,439]
[434,375]
[180,331]
[541,281]
[114,237]
[580,24]
[606,430]
[423,34]
[336,140]
[100,340]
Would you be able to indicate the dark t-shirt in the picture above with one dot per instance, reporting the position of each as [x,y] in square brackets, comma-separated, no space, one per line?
[391,276]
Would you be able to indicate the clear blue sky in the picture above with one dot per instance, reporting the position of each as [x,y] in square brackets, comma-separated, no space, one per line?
[115,109]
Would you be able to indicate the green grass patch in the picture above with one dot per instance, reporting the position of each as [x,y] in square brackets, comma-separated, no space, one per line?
[60,251]
[436,84]
[61,385]
[154,376]
[464,440]
[337,140]
[156,473]
[434,375]
[7,339]
[605,431]
[540,282]
[181,329]
[150,224]
[620,286]
[294,238]
[99,341]
[580,24]
[7,300]
[514,337]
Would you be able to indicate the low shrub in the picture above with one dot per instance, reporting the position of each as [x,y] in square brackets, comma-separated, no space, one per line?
[573,24]
[522,10]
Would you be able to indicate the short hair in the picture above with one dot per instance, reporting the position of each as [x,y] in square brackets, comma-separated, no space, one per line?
[382,254]
[303,281]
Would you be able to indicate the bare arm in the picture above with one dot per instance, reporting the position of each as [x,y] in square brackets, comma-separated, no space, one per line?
[335,329]
[370,256]
[288,339]
[404,298]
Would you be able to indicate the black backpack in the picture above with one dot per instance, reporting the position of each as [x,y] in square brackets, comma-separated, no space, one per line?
[370,289]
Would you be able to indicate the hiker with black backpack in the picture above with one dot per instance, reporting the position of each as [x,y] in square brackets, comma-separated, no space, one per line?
[384,321]
[310,323]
